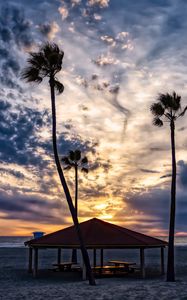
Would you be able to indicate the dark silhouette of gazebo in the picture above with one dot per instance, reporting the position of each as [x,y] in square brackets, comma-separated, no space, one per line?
[97,234]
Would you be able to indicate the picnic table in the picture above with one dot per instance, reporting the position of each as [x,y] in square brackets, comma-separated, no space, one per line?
[121,263]
[64,266]
[128,266]
[67,266]
[115,267]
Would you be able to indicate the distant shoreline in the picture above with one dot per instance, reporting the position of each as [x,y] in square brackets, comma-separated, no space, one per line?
[18,241]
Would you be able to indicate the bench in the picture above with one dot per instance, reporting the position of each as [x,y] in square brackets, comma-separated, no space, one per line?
[134,269]
[109,269]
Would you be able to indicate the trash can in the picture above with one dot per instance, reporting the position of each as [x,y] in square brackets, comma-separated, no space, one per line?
[38,234]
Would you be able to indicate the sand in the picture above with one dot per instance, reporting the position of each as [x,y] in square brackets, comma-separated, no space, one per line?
[16,283]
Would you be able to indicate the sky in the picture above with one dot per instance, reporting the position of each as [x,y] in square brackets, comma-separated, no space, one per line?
[119,55]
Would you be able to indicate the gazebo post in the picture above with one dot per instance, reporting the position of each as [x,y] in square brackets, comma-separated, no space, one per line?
[162,260]
[59,256]
[30,260]
[94,258]
[101,257]
[35,270]
[84,271]
[142,262]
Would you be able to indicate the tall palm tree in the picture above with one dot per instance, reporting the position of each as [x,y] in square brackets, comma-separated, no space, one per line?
[46,63]
[75,160]
[167,108]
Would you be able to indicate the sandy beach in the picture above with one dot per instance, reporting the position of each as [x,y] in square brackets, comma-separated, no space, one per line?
[16,283]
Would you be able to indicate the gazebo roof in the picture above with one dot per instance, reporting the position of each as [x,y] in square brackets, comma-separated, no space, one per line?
[96,234]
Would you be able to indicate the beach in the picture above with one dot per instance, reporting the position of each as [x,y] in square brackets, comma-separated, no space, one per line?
[17,283]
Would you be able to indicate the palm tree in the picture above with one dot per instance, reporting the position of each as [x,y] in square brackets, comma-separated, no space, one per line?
[46,63]
[75,160]
[168,108]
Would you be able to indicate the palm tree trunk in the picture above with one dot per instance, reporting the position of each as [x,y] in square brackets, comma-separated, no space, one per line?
[74,251]
[65,187]
[76,190]
[171,265]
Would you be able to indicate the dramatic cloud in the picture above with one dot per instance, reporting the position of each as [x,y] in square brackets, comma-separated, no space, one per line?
[19,134]
[30,208]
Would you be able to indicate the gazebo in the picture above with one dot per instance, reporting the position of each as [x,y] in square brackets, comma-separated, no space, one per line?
[97,235]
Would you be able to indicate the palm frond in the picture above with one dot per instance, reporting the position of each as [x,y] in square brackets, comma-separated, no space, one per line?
[67,168]
[169,115]
[85,170]
[65,160]
[77,155]
[170,101]
[183,112]
[54,56]
[37,59]
[46,62]
[31,74]
[157,122]
[176,101]
[59,87]
[157,109]
[72,155]
[49,48]
[166,100]
[84,160]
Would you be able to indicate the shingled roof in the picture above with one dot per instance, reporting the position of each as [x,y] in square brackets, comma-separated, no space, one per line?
[97,234]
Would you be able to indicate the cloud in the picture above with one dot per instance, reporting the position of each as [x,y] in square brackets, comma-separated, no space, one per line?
[75,2]
[14,26]
[72,143]
[166,176]
[15,34]
[132,64]
[100,164]
[105,60]
[108,40]
[182,128]
[49,30]
[82,13]
[19,140]
[182,173]
[64,12]
[100,3]
[149,171]
[13,172]
[119,42]
[31,208]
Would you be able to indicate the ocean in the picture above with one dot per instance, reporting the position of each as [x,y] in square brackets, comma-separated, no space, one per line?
[18,241]
[10,247]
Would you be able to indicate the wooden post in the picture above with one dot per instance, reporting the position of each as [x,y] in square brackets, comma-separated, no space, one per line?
[35,270]
[94,258]
[59,256]
[142,262]
[162,260]
[83,272]
[101,257]
[30,260]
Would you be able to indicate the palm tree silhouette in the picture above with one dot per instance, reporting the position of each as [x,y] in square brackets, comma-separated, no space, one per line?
[46,63]
[75,160]
[168,108]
